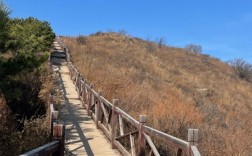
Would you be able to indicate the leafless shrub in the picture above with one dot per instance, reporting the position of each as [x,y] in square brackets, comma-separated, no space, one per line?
[122,32]
[194,48]
[161,42]
[242,69]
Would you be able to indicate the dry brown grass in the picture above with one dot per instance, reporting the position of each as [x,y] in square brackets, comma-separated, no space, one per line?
[18,136]
[175,88]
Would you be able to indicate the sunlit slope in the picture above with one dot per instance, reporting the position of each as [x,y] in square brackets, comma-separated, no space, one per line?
[177,89]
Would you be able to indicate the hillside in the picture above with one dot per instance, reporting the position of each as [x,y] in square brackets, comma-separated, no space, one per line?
[177,89]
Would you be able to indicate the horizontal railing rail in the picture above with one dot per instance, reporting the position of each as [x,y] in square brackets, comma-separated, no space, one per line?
[46,149]
[117,125]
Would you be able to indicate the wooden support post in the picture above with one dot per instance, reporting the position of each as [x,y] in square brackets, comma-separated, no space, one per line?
[141,139]
[193,138]
[121,125]
[90,100]
[53,117]
[84,93]
[58,134]
[50,107]
[70,70]
[132,145]
[114,123]
[77,82]
[98,110]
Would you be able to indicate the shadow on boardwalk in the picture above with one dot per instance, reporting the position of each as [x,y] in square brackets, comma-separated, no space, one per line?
[82,136]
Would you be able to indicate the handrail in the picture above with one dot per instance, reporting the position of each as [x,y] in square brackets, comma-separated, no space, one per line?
[166,137]
[108,118]
[44,150]
[195,151]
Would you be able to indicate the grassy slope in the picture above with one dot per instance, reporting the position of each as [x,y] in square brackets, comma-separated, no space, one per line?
[175,88]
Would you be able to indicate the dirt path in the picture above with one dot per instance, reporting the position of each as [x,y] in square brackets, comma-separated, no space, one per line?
[82,137]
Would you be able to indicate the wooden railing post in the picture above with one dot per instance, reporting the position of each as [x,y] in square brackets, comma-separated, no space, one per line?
[84,93]
[98,110]
[114,123]
[58,134]
[77,81]
[50,101]
[90,100]
[141,139]
[193,138]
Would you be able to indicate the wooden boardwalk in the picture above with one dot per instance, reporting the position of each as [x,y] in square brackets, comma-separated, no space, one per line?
[82,136]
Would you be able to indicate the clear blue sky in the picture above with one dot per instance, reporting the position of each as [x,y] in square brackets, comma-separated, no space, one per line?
[222,27]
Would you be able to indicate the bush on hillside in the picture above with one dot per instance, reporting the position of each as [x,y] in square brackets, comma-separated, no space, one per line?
[194,48]
[161,41]
[242,69]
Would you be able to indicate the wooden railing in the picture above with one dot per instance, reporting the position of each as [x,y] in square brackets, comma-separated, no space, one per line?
[57,132]
[117,125]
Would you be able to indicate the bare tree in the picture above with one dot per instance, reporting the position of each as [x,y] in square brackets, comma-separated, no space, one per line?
[194,48]
[161,42]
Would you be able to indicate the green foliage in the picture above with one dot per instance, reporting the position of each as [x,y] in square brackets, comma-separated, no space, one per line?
[31,35]
[26,43]
[4,28]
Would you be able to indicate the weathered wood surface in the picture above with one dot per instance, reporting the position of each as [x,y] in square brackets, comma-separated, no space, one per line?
[82,136]
[46,149]
[152,146]
[195,151]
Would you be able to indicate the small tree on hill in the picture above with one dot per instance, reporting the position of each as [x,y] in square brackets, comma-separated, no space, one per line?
[194,48]
[161,42]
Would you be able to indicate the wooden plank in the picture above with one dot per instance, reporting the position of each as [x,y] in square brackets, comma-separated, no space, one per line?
[94,93]
[127,134]
[55,115]
[114,123]
[127,117]
[132,145]
[141,138]
[152,146]
[105,114]
[179,143]
[193,136]
[106,102]
[46,149]
[121,148]
[121,126]
[195,151]
[97,113]
[51,108]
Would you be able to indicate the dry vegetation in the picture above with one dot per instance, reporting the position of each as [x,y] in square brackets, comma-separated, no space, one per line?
[21,131]
[177,89]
